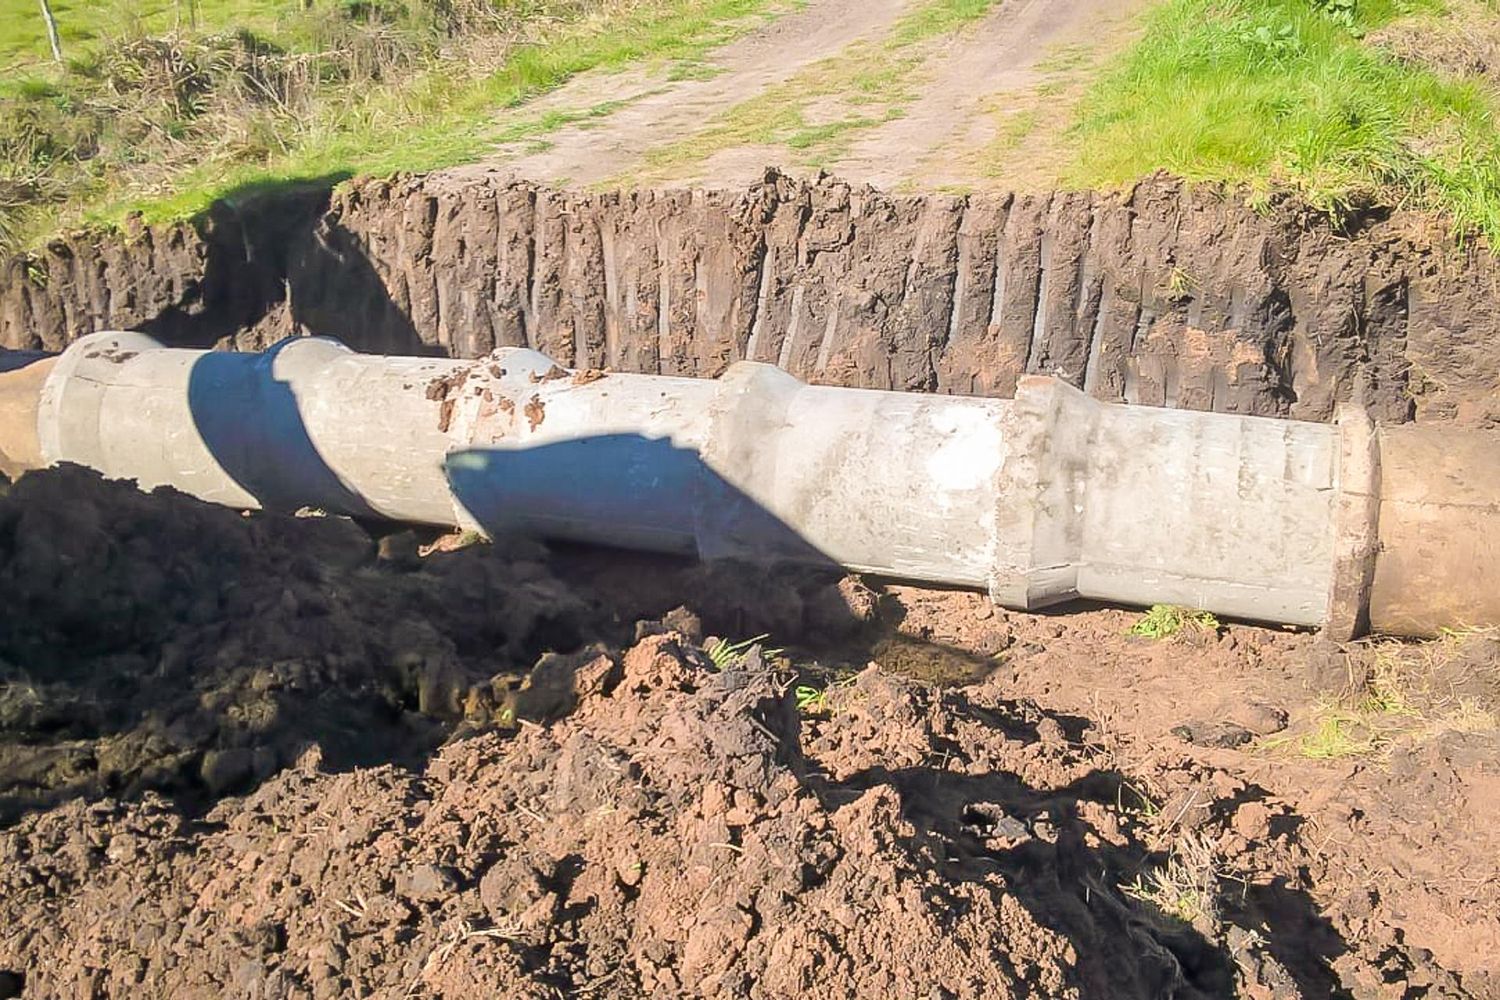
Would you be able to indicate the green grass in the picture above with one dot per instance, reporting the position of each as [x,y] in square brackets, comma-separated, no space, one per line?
[1336,736]
[550,121]
[1016,128]
[1274,93]
[1406,697]
[437,103]
[437,120]
[934,19]
[811,700]
[84,23]
[725,655]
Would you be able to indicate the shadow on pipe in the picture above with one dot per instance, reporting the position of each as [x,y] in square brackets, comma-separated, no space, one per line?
[11,361]
[626,491]
[621,490]
[272,458]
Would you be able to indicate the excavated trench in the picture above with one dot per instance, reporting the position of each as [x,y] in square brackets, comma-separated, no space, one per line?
[276,756]
[1164,295]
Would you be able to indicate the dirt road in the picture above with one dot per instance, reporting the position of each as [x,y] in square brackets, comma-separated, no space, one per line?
[877,91]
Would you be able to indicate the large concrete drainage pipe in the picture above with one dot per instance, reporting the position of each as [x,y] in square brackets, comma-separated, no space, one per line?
[1038,499]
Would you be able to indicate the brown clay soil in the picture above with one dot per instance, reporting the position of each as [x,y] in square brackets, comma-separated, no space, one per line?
[275,757]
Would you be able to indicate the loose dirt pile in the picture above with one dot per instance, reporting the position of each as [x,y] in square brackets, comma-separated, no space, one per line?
[504,771]
[159,642]
[670,835]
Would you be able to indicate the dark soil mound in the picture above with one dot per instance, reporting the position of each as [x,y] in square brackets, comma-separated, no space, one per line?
[672,835]
[159,642]
[271,757]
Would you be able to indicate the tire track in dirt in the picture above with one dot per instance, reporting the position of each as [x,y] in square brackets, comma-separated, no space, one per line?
[996,67]
[617,118]
[944,100]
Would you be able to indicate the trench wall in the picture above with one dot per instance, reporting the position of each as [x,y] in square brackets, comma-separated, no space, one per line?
[1166,294]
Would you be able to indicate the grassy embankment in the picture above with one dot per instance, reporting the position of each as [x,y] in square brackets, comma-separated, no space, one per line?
[1306,94]
[163,110]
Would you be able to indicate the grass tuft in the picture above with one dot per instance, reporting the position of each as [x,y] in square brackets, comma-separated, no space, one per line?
[1409,692]
[1185,889]
[1337,735]
[811,700]
[726,655]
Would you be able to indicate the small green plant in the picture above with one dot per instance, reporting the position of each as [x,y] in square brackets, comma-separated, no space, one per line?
[1180,285]
[1341,12]
[1273,43]
[811,700]
[1164,621]
[725,654]
[36,272]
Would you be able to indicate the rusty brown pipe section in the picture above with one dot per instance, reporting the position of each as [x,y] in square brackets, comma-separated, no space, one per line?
[1414,517]
[1438,559]
[21,382]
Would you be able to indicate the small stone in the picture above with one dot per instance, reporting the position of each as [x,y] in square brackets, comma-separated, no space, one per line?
[1051,733]
[630,870]
[428,883]
[509,890]
[1253,821]
[1202,733]
[841,609]
[681,620]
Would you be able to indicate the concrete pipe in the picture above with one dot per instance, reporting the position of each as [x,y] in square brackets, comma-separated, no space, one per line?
[1039,499]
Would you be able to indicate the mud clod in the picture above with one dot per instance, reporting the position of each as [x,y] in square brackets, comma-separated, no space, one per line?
[536,412]
[585,376]
[550,375]
[158,642]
